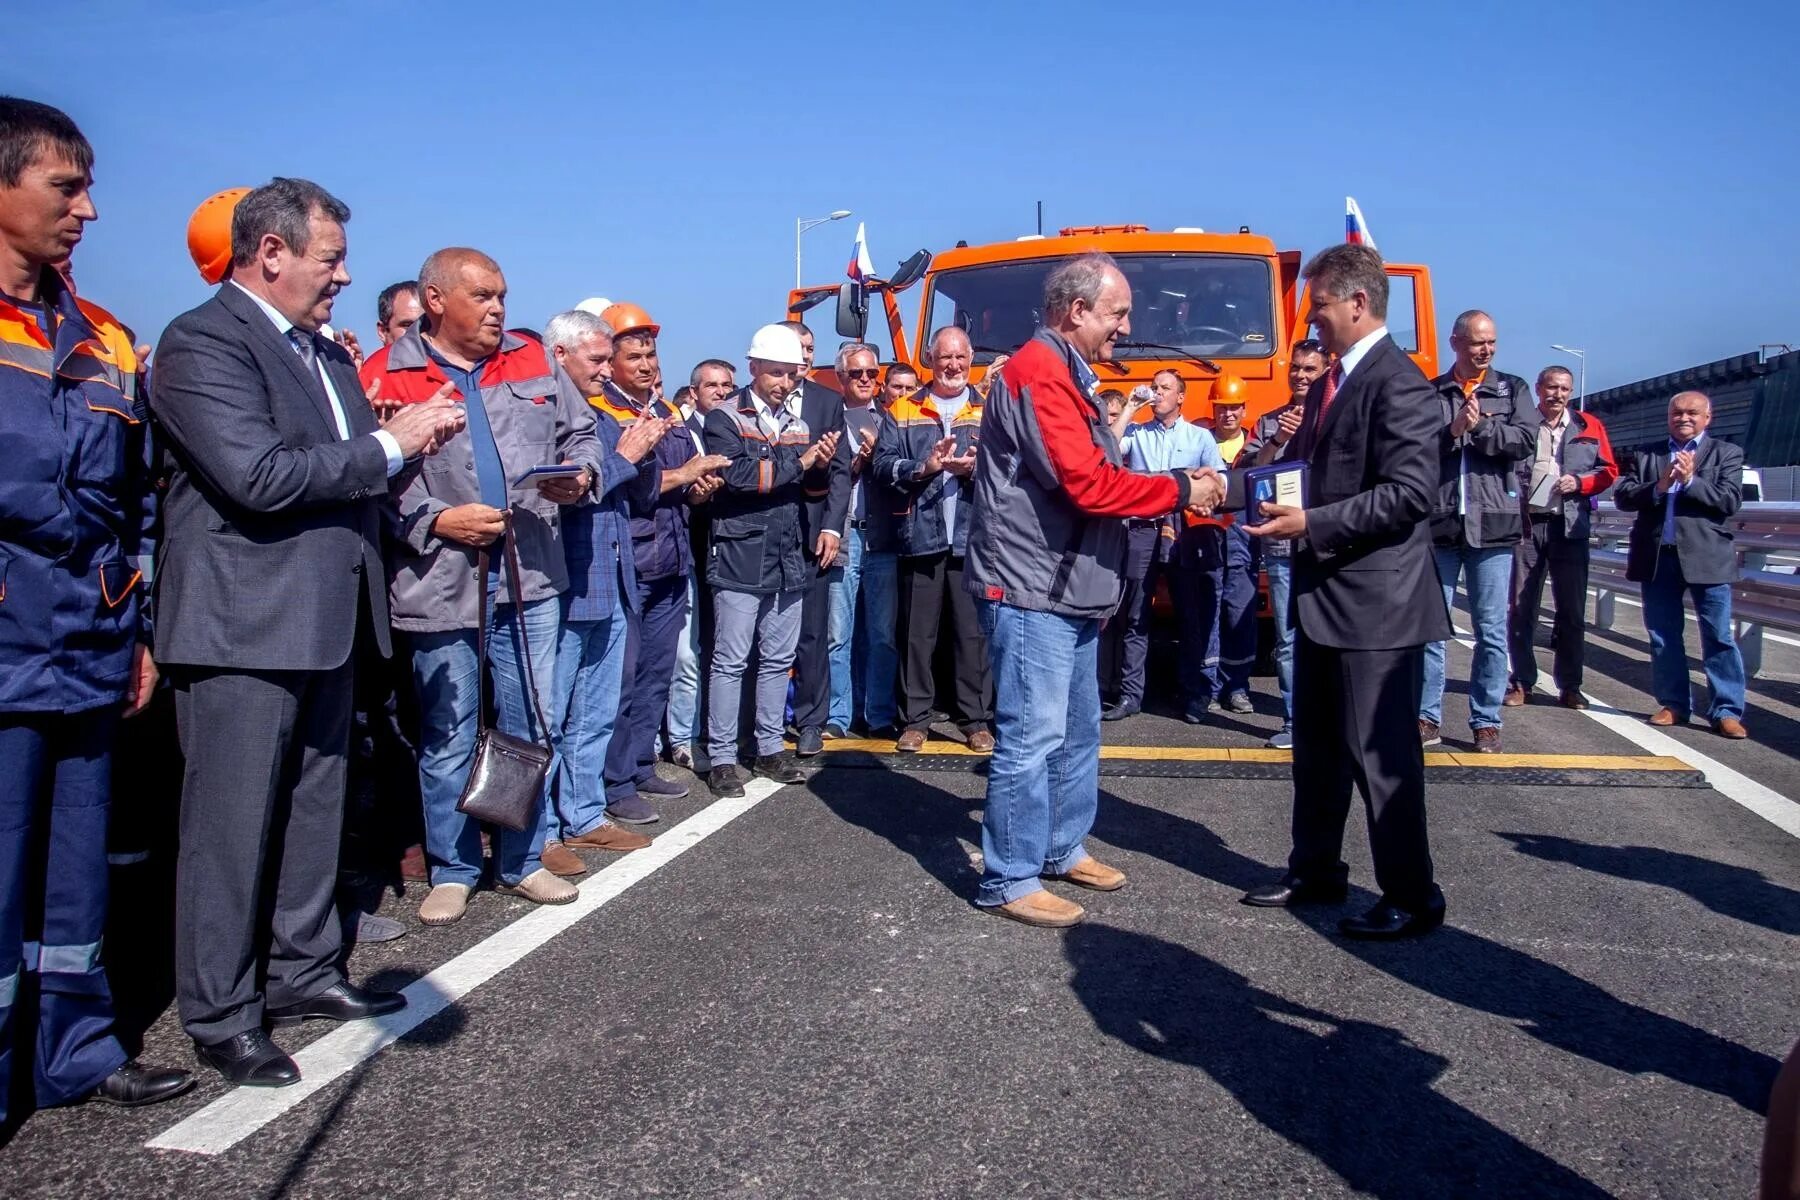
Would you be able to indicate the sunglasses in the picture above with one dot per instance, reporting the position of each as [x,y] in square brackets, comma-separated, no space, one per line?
[867,373]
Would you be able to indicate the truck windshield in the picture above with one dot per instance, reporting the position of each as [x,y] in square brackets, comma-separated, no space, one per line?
[1213,305]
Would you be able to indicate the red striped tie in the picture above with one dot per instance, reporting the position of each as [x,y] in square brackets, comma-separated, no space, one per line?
[1333,382]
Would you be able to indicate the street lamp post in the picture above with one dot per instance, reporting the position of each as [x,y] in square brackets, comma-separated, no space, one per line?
[801,225]
[1581,384]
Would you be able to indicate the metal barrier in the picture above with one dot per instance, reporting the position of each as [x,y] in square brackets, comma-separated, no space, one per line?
[1761,598]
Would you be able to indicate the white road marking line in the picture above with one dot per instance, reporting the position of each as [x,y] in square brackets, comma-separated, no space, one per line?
[241,1112]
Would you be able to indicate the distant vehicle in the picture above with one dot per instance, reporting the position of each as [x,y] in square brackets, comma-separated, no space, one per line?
[1202,303]
[1750,488]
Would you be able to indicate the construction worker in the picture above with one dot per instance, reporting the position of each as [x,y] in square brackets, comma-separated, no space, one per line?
[664,557]
[1229,558]
[77,511]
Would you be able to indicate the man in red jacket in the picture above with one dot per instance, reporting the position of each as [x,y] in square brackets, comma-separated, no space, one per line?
[1046,551]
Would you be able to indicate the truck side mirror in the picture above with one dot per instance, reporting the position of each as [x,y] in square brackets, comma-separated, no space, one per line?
[852,311]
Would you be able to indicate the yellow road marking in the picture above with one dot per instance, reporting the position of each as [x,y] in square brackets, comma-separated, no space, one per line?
[1433,758]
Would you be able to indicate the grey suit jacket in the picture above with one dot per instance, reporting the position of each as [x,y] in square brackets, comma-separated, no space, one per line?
[1703,541]
[272,525]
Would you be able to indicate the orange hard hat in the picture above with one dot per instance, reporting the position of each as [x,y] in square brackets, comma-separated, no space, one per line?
[629,318]
[209,233]
[1228,389]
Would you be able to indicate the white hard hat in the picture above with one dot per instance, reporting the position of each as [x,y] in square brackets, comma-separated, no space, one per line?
[776,344]
[595,305]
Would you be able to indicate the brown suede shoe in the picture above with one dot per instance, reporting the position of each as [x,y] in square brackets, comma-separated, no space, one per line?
[1668,716]
[981,742]
[1042,910]
[1571,698]
[1515,695]
[1730,727]
[607,837]
[1487,740]
[560,860]
[911,741]
[1093,874]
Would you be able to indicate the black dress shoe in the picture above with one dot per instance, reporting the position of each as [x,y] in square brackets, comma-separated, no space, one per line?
[249,1060]
[1387,922]
[723,782]
[810,742]
[1290,890]
[342,1001]
[779,767]
[134,1085]
[1118,712]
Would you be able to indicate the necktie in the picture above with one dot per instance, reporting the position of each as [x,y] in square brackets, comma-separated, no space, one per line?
[1333,382]
[303,346]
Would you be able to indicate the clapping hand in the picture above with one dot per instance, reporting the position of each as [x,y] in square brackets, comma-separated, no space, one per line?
[424,428]
[640,437]
[1681,467]
[1281,521]
[348,341]
[1466,417]
[820,451]
[383,408]
[1288,424]
[934,462]
[961,465]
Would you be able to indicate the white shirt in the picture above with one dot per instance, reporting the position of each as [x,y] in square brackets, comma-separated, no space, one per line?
[765,416]
[1348,359]
[948,407]
[396,461]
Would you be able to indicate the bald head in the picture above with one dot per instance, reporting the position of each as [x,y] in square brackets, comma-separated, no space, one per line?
[1473,339]
[950,357]
[464,297]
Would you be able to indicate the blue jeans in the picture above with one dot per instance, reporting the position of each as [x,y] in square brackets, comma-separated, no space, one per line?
[841,642]
[684,693]
[1488,572]
[589,663]
[1281,587]
[446,675]
[1663,621]
[1044,781]
[881,623]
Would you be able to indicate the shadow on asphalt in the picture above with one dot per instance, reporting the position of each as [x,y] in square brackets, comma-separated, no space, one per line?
[1551,1004]
[1766,726]
[1736,892]
[1355,1095]
[923,820]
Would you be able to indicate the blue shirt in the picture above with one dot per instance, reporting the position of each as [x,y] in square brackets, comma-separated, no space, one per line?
[1157,449]
[490,473]
[1668,530]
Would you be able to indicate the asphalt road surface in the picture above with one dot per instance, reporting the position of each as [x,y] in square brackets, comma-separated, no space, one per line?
[791,995]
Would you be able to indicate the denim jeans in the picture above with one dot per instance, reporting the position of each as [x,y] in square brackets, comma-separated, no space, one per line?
[1488,574]
[1281,587]
[590,660]
[684,693]
[1044,780]
[841,644]
[1664,622]
[446,675]
[881,623]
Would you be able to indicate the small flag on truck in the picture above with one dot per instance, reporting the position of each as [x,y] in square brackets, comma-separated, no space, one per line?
[1356,230]
[861,265]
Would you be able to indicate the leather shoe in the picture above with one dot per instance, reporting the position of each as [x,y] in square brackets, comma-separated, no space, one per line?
[558,859]
[1515,695]
[1571,698]
[1730,727]
[981,741]
[605,837]
[1118,712]
[1290,890]
[724,783]
[810,742]
[1093,874]
[1388,922]
[134,1085]
[1667,716]
[250,1059]
[911,741]
[1042,909]
[780,767]
[342,1001]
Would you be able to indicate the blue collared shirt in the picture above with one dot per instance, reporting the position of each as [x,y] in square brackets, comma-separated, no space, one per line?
[1157,449]
[1675,489]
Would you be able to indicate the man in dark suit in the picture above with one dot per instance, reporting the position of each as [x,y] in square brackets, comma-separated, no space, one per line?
[269,569]
[1365,601]
[822,515]
[1682,494]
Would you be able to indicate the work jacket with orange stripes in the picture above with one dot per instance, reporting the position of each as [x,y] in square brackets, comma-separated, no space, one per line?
[912,505]
[758,532]
[76,503]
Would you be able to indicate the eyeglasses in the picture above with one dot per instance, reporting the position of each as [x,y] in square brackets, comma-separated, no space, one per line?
[865,373]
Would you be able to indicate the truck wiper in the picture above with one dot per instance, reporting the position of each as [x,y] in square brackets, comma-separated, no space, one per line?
[1208,363]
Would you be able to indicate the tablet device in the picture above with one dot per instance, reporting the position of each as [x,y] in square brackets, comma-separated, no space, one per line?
[539,474]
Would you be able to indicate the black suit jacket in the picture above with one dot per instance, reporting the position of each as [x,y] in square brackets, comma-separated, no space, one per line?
[1703,543]
[1364,578]
[272,525]
[827,488]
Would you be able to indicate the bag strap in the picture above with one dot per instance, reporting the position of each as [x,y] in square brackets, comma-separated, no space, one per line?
[515,589]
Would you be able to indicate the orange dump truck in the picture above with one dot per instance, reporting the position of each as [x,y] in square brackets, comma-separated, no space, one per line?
[1201,303]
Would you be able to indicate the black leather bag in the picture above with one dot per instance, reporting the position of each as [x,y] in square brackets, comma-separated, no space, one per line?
[506,782]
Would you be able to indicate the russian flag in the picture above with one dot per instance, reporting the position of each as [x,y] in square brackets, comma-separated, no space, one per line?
[861,265]
[1356,230]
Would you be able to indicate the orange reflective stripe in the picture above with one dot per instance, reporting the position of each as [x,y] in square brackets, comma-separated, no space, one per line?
[124,592]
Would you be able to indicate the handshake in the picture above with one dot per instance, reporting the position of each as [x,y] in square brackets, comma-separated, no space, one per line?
[1206,491]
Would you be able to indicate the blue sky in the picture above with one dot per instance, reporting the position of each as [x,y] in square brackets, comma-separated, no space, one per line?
[1614,176]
